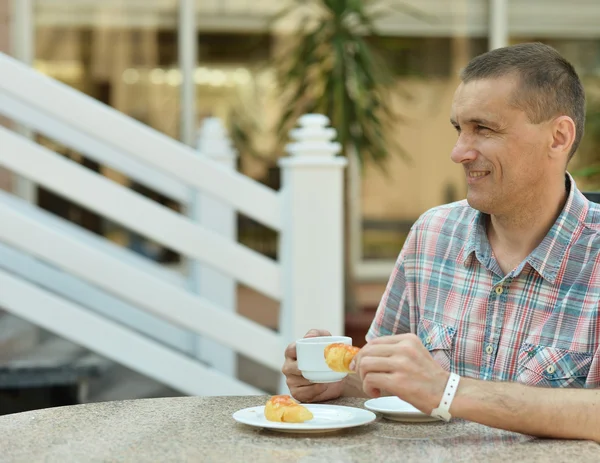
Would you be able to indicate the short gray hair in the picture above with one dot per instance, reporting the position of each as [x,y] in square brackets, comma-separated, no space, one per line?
[549,85]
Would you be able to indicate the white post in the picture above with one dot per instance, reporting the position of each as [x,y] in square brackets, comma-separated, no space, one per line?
[354,188]
[188,47]
[312,242]
[219,217]
[498,34]
[23,49]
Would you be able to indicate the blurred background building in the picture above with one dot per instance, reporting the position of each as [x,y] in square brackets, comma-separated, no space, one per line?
[127,54]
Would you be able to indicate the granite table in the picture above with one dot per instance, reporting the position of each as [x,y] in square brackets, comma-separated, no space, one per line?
[201,429]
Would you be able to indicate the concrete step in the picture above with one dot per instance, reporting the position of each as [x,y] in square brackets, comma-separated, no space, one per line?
[121,383]
[51,373]
[31,369]
[17,336]
[53,362]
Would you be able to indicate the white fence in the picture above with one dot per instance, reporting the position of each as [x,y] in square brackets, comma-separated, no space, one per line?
[307,213]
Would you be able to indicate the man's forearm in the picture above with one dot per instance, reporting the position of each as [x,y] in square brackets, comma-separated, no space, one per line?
[542,412]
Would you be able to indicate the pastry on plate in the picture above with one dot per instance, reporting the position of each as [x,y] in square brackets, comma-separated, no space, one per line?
[284,409]
[339,355]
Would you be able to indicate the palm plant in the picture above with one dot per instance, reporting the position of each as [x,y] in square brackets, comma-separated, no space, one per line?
[331,64]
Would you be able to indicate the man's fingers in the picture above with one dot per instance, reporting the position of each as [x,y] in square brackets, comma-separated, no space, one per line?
[316,333]
[374,383]
[308,393]
[298,382]
[374,365]
[290,368]
[290,351]
[324,395]
[377,350]
[381,350]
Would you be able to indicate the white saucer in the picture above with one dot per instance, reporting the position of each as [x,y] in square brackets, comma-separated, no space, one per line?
[326,418]
[396,409]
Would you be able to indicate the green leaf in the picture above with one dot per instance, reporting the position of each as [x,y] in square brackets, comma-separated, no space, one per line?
[587,171]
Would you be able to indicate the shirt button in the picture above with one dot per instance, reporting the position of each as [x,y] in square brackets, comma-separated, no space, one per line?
[499,290]
[489,349]
[428,340]
[550,369]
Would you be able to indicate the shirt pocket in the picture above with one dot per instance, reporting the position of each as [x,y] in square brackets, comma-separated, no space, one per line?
[438,339]
[552,367]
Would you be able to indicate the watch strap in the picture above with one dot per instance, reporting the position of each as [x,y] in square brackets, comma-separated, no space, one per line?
[443,409]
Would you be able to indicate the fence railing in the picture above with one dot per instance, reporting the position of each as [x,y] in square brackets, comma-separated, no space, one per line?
[134,139]
[307,278]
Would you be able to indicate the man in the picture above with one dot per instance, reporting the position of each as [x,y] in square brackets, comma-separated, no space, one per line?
[503,288]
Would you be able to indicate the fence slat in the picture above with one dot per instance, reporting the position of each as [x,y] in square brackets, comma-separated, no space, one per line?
[137,213]
[99,121]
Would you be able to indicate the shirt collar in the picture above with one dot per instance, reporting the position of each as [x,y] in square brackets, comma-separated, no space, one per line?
[548,257]
[477,245]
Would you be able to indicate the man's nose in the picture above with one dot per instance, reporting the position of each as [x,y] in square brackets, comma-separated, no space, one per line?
[463,151]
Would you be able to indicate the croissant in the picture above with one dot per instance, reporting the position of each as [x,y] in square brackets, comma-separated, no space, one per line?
[338,356]
[284,409]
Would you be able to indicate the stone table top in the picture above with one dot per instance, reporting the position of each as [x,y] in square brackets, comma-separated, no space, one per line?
[201,429]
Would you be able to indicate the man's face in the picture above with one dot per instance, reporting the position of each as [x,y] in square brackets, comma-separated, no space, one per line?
[504,155]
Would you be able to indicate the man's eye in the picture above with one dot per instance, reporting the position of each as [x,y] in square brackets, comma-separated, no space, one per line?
[481,128]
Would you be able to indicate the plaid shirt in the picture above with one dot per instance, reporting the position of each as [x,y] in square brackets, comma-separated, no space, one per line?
[538,325]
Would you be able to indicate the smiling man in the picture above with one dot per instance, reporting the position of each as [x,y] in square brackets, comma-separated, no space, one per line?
[504,287]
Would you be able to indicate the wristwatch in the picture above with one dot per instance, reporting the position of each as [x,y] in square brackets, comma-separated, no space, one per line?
[443,410]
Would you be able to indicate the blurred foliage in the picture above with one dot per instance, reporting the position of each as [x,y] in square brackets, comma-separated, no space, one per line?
[333,65]
[588,165]
[378,245]
[335,62]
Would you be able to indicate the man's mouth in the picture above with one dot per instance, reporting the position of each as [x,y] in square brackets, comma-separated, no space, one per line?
[478,173]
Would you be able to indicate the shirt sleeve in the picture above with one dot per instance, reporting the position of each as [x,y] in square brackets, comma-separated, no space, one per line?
[393,313]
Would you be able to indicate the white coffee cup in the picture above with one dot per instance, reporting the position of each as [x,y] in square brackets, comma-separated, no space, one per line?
[311,358]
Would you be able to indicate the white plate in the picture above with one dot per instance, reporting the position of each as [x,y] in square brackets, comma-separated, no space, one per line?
[326,418]
[396,409]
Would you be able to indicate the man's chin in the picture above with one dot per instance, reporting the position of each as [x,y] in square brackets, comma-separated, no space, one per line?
[479,204]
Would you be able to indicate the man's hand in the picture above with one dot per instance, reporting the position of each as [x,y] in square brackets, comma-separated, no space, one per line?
[301,388]
[401,366]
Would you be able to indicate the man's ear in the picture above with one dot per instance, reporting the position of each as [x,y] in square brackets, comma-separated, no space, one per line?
[563,136]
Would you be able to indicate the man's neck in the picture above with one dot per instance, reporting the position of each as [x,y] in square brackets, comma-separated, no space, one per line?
[514,236]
